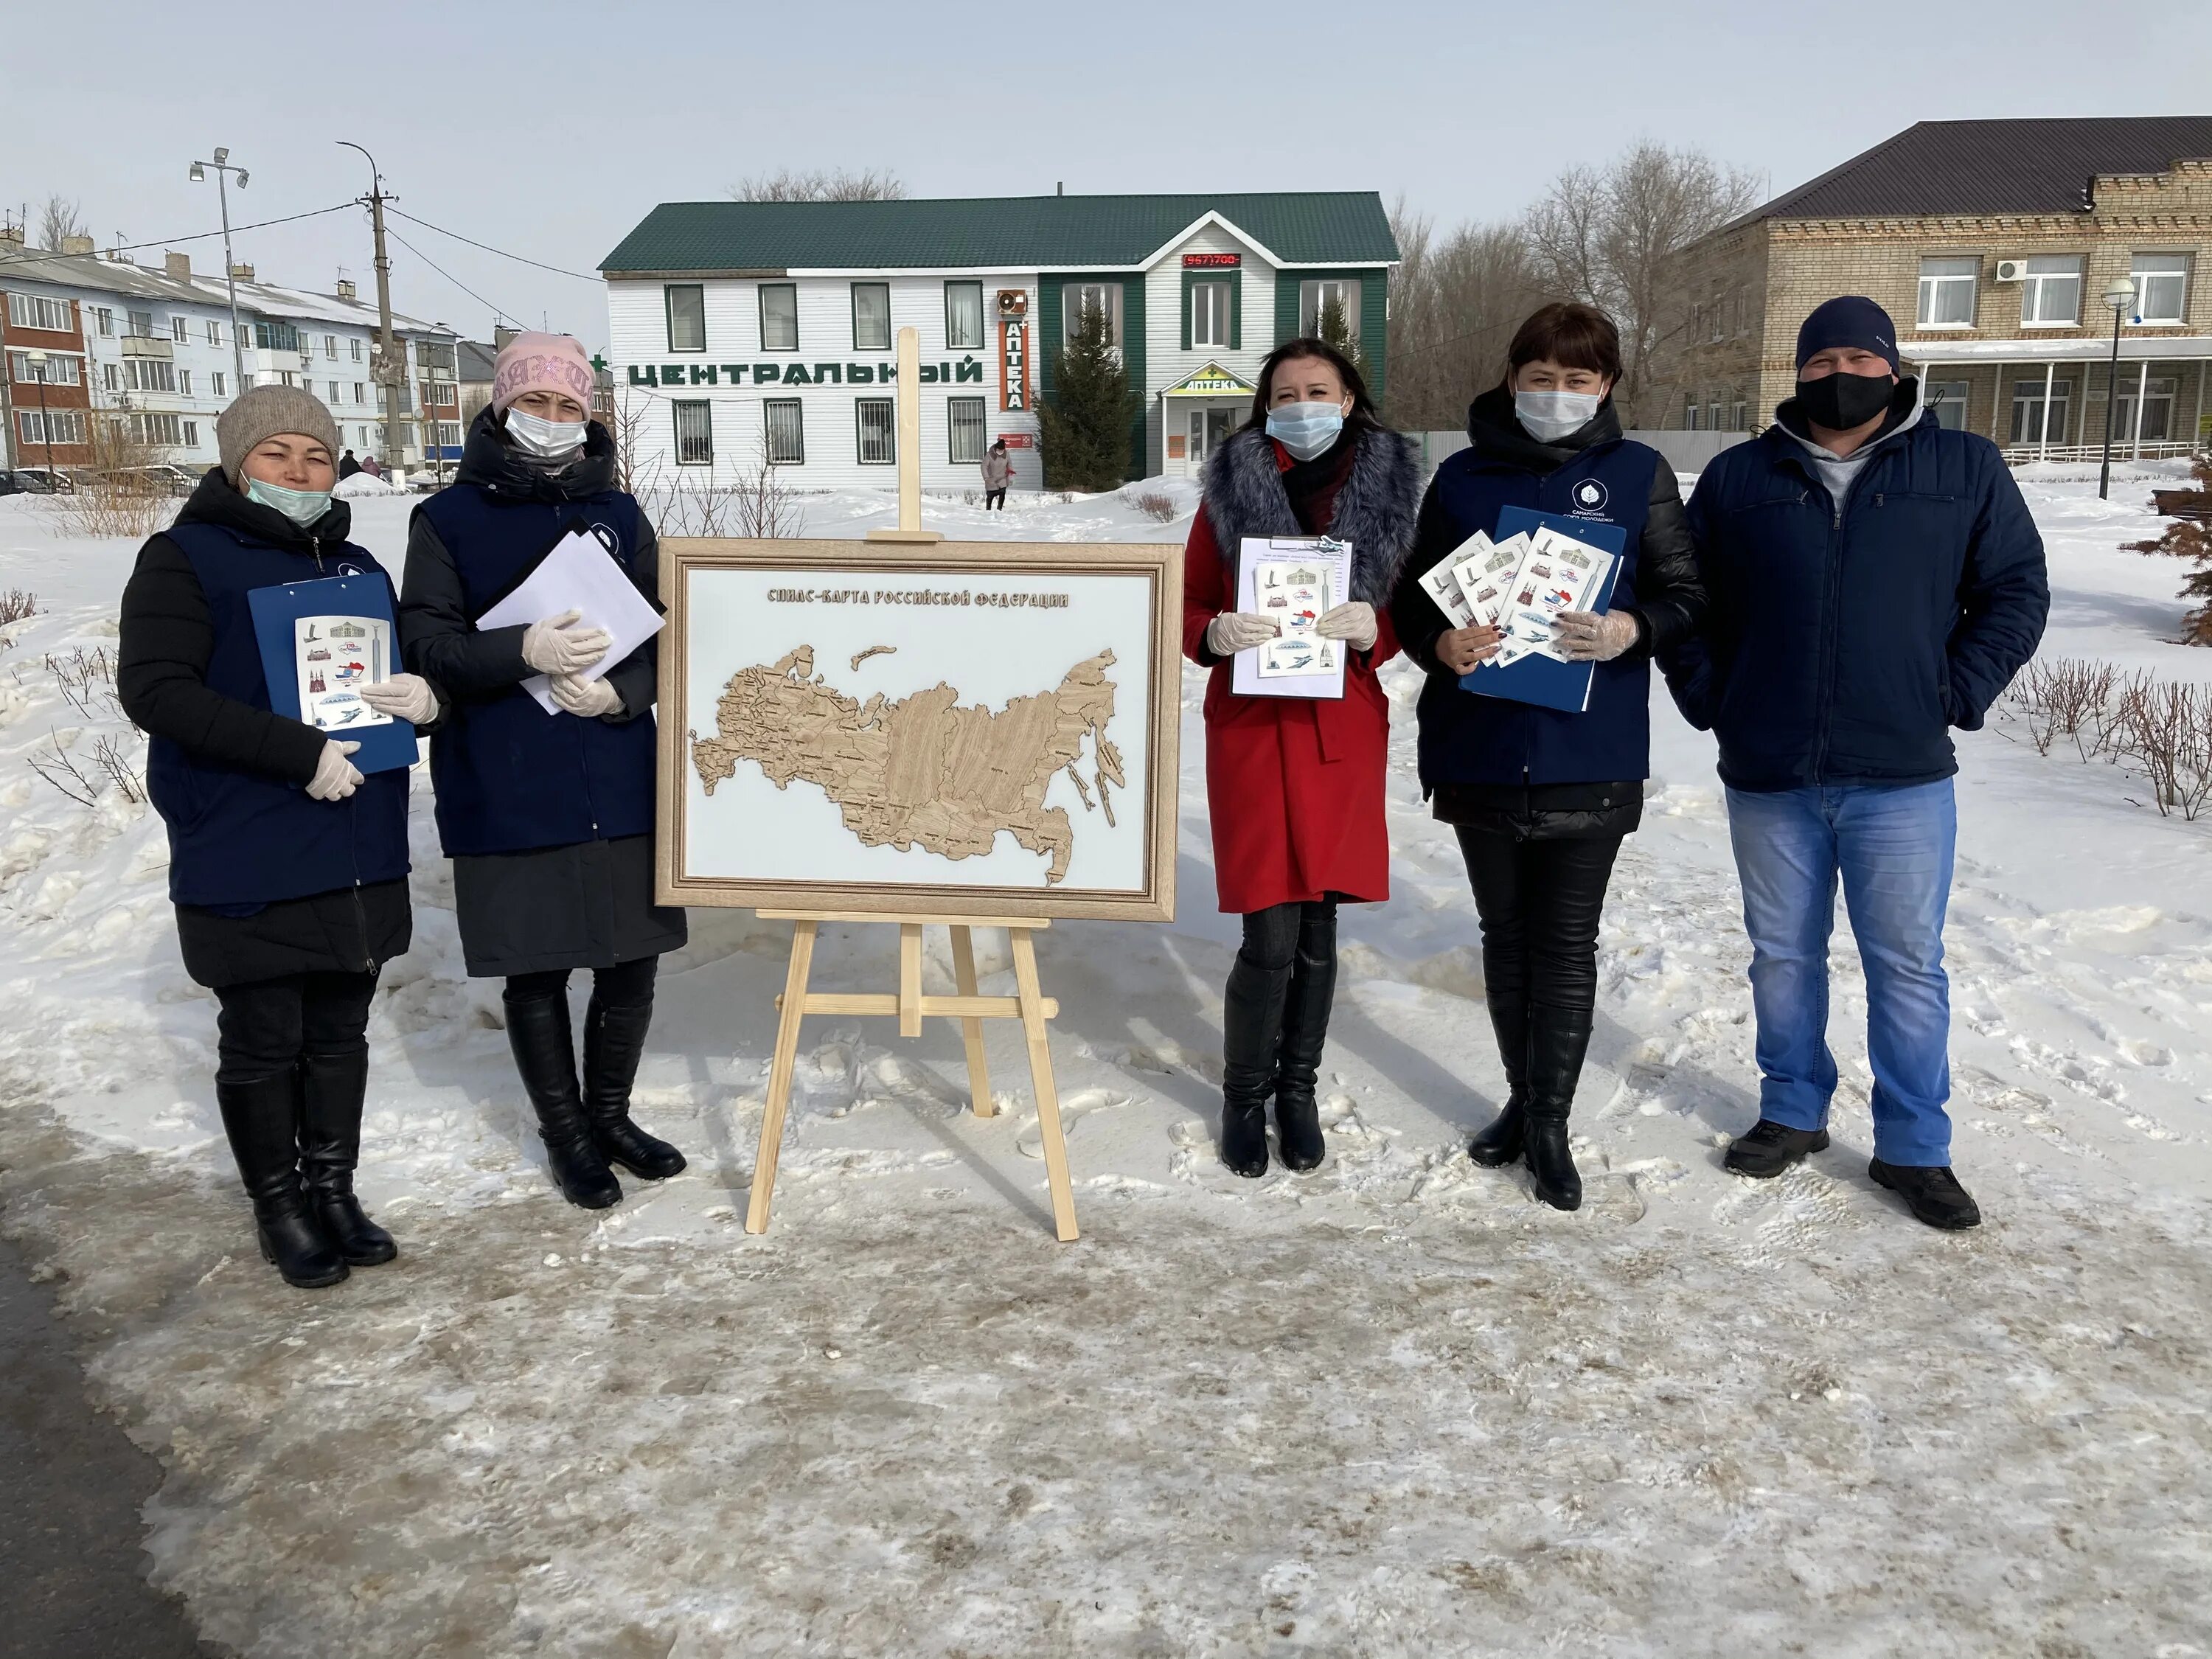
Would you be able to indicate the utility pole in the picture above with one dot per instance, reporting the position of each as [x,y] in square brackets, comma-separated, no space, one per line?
[389,370]
[222,172]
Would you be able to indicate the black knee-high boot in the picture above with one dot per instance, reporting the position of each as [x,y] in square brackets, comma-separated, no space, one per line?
[537,1030]
[1501,1142]
[332,1088]
[1305,1030]
[614,1042]
[1251,1039]
[1558,1040]
[260,1118]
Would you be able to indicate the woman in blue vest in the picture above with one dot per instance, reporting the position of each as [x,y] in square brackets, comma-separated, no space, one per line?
[547,817]
[1542,800]
[288,867]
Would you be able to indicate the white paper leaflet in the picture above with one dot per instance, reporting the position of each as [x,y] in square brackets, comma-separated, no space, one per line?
[1297,597]
[1556,576]
[334,658]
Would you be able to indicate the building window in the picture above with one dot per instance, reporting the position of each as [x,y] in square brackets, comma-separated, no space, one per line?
[1321,304]
[1713,416]
[2050,296]
[58,426]
[2027,410]
[215,334]
[779,310]
[139,324]
[331,347]
[449,434]
[871,316]
[333,385]
[111,377]
[2157,409]
[1209,314]
[1690,413]
[695,433]
[1080,297]
[963,316]
[192,435]
[216,380]
[36,311]
[687,316]
[2161,288]
[1739,416]
[359,392]
[178,327]
[162,431]
[964,426]
[786,432]
[878,444]
[149,374]
[1947,401]
[58,371]
[1946,292]
[185,381]
[355,344]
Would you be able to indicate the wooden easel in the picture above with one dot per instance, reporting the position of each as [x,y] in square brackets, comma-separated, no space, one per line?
[1030,1006]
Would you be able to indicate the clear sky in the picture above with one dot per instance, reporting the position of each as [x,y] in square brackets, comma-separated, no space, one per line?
[549,129]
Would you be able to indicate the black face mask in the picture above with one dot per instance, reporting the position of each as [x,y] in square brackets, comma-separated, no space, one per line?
[1840,402]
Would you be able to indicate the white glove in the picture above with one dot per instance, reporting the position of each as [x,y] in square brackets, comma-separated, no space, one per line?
[589,698]
[554,646]
[1587,637]
[1239,630]
[335,778]
[1353,622]
[405,697]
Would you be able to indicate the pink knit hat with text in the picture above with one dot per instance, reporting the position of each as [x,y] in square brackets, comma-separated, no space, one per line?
[541,363]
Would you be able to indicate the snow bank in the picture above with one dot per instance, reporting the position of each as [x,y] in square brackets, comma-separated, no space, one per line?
[363,484]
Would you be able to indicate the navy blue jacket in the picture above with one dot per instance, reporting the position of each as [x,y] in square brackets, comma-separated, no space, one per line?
[510,777]
[227,773]
[1597,474]
[1847,637]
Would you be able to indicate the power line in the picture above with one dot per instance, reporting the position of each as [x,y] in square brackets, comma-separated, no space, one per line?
[14,262]
[497,311]
[488,248]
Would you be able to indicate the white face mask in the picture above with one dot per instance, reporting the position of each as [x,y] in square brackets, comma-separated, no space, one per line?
[1548,416]
[547,439]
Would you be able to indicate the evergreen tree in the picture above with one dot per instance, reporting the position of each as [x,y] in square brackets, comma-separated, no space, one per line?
[1086,423]
[1333,327]
[2189,537]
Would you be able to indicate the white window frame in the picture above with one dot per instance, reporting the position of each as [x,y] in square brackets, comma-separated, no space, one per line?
[38,311]
[1209,314]
[31,423]
[180,328]
[185,382]
[783,418]
[686,445]
[192,435]
[2160,391]
[218,383]
[19,367]
[966,416]
[1076,297]
[214,333]
[1939,275]
[1314,293]
[139,325]
[2032,304]
[361,392]
[333,385]
[356,343]
[159,431]
[865,410]
[2026,424]
[2145,268]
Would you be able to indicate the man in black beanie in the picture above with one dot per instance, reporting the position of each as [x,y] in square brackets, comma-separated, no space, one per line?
[1875,581]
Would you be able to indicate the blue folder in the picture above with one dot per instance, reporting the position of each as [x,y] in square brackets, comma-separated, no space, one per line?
[1540,680]
[383,746]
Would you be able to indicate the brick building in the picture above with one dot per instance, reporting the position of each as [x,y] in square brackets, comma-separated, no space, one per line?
[45,393]
[1992,243]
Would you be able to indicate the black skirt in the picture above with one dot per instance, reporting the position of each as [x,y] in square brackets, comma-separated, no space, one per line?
[585,906]
[347,931]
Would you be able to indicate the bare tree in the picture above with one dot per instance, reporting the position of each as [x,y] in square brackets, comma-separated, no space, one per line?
[1457,299]
[1607,236]
[59,219]
[818,184]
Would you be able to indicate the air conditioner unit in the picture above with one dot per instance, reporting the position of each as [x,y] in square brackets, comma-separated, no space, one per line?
[2012,271]
[1013,302]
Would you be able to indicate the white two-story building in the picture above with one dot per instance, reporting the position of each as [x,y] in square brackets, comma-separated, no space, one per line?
[745,332]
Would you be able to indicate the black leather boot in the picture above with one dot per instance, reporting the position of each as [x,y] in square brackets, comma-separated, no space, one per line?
[544,1054]
[1251,1037]
[614,1042]
[1502,1141]
[259,1117]
[1297,1068]
[1558,1040]
[332,1087]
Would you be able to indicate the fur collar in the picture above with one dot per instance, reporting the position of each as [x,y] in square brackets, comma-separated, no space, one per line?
[1375,509]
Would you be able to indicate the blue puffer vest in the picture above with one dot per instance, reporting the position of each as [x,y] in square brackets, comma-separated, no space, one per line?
[239,837]
[1488,740]
[511,777]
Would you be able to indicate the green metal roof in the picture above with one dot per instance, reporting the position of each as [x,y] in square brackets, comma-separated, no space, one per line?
[1008,232]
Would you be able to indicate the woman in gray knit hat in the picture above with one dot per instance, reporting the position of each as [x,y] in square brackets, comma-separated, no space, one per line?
[287,865]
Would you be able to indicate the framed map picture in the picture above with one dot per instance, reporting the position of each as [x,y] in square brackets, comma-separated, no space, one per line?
[975,728]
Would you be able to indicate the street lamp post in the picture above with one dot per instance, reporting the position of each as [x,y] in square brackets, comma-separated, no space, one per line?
[38,362]
[198,174]
[2121,297]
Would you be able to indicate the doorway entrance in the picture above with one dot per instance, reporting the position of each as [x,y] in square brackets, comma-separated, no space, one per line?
[1210,427]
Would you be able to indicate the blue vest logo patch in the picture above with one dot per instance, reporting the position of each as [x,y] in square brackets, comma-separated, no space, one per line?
[1590,496]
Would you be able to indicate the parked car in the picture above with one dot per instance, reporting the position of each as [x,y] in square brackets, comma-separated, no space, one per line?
[163,478]
[32,481]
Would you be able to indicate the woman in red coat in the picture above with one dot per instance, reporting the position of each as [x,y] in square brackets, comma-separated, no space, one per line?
[1294,785]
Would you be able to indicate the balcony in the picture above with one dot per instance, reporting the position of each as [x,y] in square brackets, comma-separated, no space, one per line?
[141,345]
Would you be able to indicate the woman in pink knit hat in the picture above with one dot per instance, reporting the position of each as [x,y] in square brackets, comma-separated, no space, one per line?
[548,818]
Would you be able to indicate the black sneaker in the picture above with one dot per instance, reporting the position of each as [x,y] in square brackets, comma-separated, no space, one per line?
[1933,1195]
[1768,1148]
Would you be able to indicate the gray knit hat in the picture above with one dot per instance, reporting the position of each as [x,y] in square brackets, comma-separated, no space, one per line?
[263,413]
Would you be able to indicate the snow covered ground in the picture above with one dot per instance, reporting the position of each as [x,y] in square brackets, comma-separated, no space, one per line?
[1392,1407]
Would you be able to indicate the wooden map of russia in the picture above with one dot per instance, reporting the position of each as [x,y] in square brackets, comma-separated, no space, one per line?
[922,771]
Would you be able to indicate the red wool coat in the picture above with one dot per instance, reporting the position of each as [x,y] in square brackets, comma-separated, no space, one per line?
[1293,785]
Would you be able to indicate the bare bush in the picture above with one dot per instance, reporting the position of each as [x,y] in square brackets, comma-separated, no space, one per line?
[87,682]
[1155,505]
[754,503]
[59,767]
[2166,727]
[16,604]
[124,492]
[2066,697]
[117,764]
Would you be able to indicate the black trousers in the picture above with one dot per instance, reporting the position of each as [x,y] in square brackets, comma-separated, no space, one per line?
[1540,901]
[266,1026]
[625,985]
[1274,936]
[994,498]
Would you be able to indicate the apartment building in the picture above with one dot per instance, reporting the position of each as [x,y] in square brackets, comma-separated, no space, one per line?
[1993,244]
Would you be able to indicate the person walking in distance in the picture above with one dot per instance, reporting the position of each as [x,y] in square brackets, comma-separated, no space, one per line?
[1294,785]
[1875,582]
[998,472]
[1542,800]
[287,866]
[547,817]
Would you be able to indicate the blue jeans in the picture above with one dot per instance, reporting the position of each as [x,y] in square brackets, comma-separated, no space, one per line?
[1893,848]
